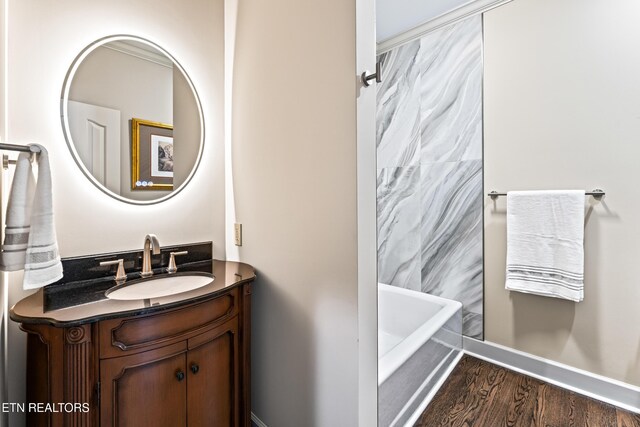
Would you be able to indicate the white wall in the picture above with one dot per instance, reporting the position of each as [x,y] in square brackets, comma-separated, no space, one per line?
[294,166]
[562,110]
[367,227]
[44,38]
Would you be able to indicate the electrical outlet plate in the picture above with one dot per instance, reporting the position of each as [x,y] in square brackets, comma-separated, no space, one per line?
[238,234]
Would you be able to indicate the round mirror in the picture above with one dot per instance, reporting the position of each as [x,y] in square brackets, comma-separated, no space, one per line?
[132,119]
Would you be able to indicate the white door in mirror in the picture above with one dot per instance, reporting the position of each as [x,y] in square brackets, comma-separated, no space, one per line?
[96,133]
[161,287]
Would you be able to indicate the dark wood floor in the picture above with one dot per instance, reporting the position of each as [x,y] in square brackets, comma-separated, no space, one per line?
[480,394]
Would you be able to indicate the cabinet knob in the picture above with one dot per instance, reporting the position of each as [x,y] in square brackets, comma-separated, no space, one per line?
[195,368]
[180,375]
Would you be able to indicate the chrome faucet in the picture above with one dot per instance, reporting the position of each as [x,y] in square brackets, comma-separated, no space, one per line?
[151,245]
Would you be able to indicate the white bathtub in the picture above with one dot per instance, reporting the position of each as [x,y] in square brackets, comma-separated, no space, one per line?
[418,335]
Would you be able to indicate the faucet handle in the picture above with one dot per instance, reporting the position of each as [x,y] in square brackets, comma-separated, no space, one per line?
[172,261]
[121,276]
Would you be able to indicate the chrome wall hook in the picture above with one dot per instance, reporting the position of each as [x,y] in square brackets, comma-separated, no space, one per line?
[377,76]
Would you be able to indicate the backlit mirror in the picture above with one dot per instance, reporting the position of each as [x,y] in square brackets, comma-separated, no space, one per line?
[132,119]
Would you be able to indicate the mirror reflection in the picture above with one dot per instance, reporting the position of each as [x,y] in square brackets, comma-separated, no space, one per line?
[132,119]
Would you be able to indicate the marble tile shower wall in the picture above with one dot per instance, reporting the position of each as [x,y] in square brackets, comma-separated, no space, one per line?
[429,146]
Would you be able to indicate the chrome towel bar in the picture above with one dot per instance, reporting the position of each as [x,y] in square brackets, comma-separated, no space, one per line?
[33,149]
[597,193]
[16,147]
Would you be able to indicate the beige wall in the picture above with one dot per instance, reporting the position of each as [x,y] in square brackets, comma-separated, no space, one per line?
[44,38]
[562,110]
[187,132]
[294,166]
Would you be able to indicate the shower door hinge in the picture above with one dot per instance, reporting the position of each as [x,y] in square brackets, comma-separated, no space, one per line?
[377,75]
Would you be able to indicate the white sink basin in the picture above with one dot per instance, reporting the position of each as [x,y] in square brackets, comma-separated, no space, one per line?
[160,287]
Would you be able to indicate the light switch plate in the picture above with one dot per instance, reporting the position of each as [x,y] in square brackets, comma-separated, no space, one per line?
[238,234]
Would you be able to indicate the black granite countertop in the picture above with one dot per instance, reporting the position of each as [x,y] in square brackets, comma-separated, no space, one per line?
[83,301]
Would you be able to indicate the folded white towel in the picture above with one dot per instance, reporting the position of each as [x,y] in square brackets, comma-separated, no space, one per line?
[42,265]
[545,243]
[18,218]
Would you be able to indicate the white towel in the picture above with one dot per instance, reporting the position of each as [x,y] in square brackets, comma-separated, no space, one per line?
[30,236]
[18,218]
[545,243]
[42,265]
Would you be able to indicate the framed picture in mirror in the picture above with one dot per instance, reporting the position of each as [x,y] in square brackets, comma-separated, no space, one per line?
[151,155]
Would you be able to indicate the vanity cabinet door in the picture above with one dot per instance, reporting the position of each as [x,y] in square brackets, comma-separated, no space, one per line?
[213,387]
[145,389]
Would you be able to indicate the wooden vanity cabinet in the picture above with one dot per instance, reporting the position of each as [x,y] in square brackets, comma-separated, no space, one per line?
[192,383]
[142,389]
[187,366]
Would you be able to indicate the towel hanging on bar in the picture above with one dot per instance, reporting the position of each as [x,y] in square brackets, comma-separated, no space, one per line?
[42,264]
[30,240]
[545,243]
[18,217]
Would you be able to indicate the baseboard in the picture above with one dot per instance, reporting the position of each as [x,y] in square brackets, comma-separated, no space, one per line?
[611,391]
[257,422]
[598,387]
